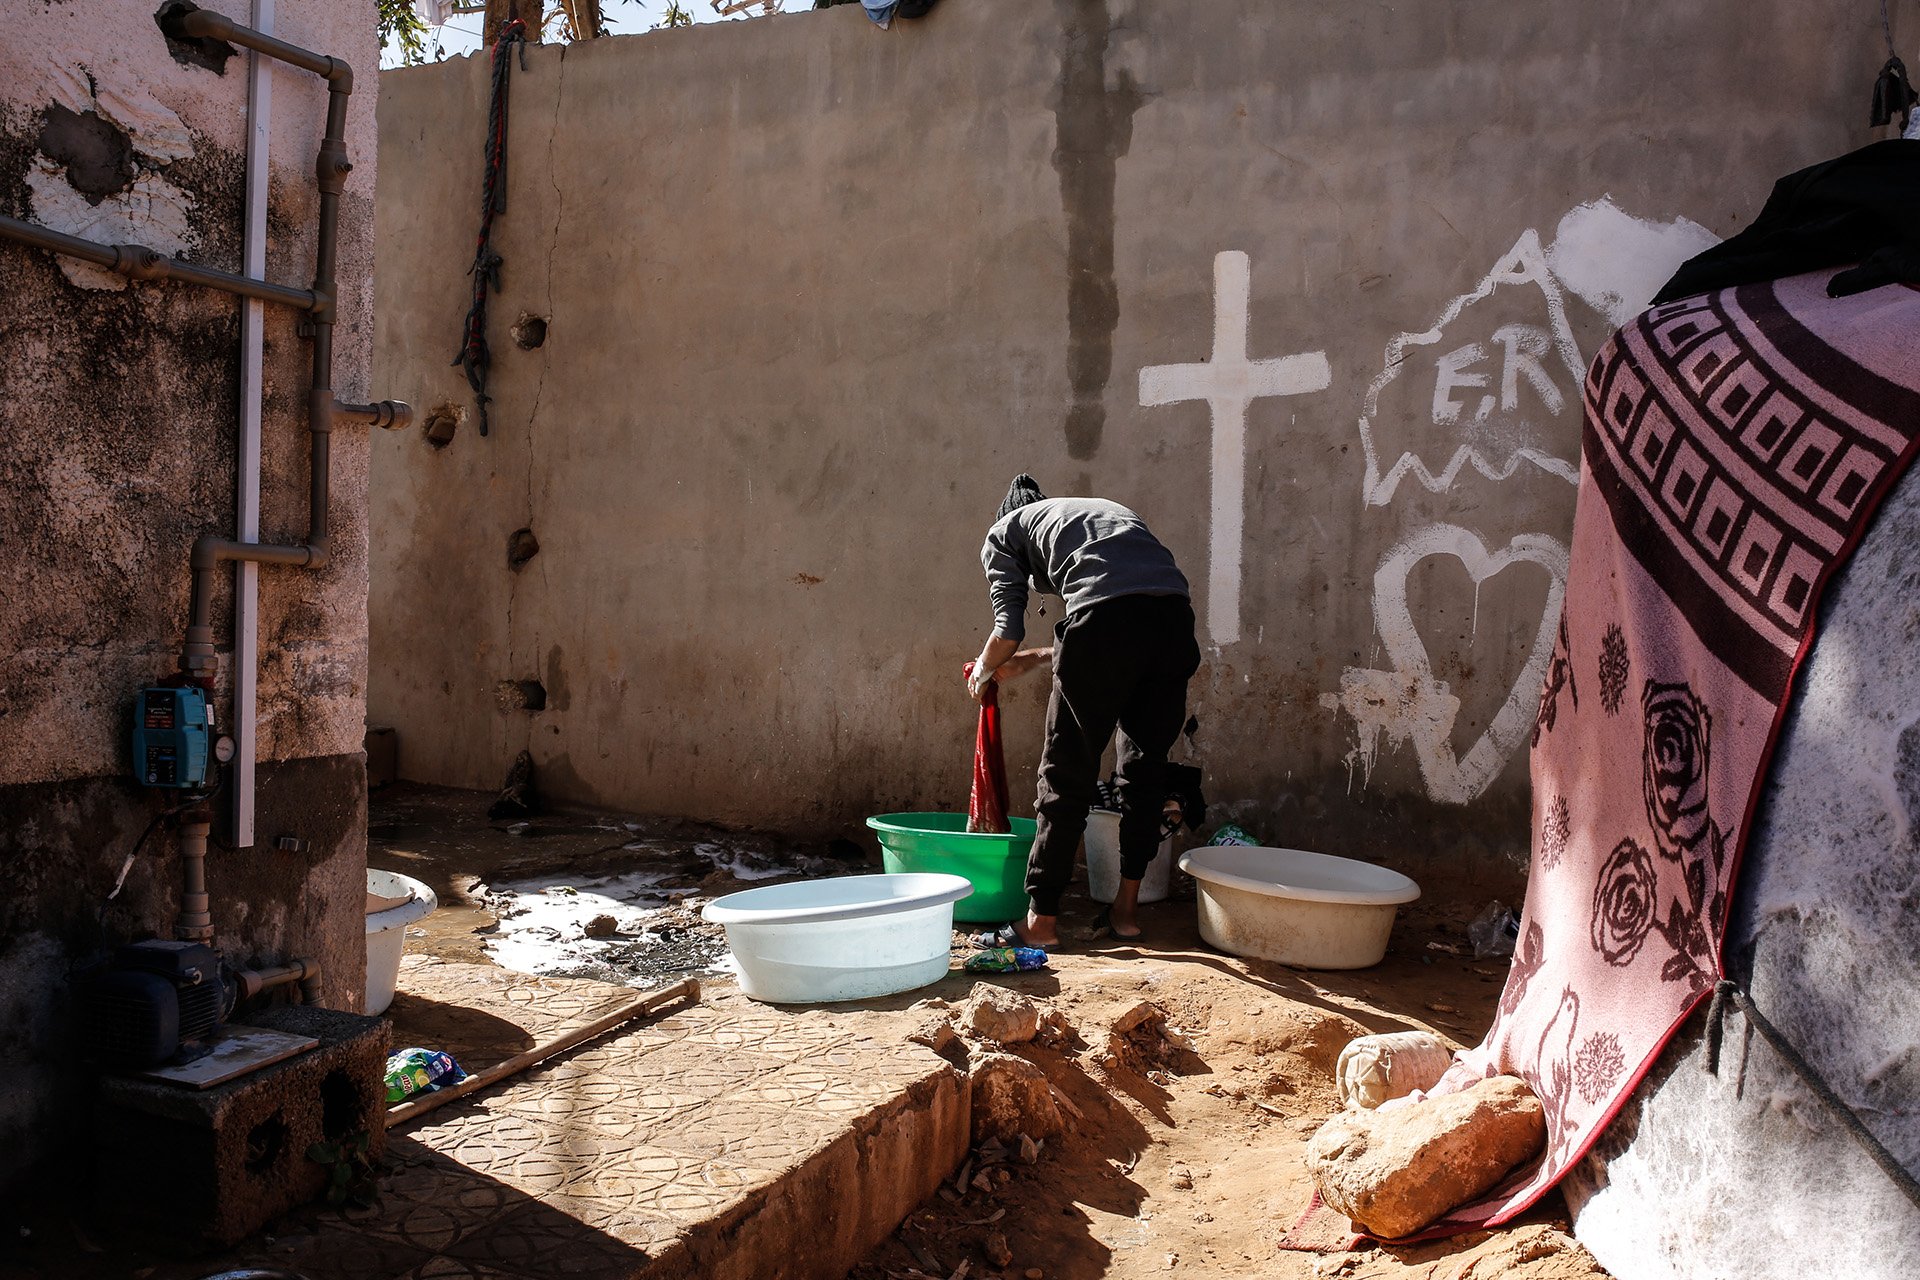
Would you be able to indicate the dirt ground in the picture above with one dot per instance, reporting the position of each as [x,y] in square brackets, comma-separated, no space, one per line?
[1189,1160]
[1188,1154]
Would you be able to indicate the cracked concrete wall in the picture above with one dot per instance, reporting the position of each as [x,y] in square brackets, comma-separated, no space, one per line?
[1310,287]
[118,422]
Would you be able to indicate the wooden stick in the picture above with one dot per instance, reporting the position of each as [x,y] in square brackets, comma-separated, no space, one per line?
[687,988]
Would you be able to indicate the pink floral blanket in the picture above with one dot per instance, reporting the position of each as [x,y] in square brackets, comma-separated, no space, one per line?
[1735,449]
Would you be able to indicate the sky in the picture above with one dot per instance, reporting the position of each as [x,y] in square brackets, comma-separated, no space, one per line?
[623,17]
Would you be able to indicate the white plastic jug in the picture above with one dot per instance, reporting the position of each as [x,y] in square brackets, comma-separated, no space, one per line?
[1103,861]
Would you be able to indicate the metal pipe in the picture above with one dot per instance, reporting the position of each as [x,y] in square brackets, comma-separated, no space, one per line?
[139,263]
[204,24]
[254,981]
[331,167]
[246,573]
[197,656]
[196,915]
[388,415]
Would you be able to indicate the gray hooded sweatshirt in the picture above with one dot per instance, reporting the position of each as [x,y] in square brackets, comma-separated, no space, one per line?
[1083,550]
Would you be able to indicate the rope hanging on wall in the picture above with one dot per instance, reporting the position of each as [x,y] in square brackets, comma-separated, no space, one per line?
[473,356]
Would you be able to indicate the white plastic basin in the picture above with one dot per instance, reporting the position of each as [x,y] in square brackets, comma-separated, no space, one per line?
[1309,910]
[394,901]
[850,938]
[1103,861]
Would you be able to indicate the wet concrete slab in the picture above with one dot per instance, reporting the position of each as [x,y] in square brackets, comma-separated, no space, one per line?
[522,893]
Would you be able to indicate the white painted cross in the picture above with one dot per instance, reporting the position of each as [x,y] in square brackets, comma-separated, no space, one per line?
[1229,383]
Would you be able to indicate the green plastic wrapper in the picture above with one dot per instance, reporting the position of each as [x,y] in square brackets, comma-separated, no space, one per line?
[415,1071]
[1006,960]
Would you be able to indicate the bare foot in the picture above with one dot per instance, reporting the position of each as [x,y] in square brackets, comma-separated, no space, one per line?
[1123,920]
[1037,931]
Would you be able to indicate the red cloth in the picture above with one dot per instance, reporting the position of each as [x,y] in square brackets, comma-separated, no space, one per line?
[987,804]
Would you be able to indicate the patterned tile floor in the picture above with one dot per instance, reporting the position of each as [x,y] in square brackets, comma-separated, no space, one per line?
[602,1163]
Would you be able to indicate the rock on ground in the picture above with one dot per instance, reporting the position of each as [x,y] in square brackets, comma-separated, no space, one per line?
[1394,1172]
[1011,1097]
[999,1015]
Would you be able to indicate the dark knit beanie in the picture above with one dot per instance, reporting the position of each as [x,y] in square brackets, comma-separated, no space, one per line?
[1022,491]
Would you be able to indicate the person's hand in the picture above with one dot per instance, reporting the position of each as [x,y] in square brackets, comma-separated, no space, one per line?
[979,676]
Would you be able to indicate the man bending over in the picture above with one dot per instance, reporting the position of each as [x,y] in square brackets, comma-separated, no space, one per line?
[1121,659]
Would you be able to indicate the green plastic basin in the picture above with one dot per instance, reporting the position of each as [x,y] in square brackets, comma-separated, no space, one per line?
[940,842]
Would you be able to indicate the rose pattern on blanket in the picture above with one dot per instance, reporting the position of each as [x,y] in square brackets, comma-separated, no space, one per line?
[1735,447]
[1679,742]
[1625,904]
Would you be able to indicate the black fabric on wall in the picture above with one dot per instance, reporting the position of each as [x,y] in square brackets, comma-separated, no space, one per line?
[1862,208]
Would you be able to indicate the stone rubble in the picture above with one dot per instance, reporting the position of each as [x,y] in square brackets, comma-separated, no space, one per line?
[1395,1171]
[1011,1097]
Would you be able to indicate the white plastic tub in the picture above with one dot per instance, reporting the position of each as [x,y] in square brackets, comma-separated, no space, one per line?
[394,901]
[1103,861]
[1309,910]
[850,938]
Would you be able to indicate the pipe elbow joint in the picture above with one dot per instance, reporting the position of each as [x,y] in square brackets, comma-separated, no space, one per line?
[339,75]
[319,551]
[206,553]
[184,20]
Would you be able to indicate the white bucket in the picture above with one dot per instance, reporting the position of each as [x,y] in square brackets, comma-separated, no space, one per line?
[394,901]
[1103,861]
[849,938]
[1309,910]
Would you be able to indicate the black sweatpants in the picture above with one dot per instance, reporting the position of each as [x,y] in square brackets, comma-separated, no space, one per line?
[1122,663]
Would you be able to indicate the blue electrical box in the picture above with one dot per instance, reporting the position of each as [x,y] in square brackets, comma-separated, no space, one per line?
[172,737]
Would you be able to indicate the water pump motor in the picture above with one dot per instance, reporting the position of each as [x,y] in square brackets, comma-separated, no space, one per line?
[156,1002]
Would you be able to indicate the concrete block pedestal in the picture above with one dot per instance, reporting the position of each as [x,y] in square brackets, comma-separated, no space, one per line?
[214,1165]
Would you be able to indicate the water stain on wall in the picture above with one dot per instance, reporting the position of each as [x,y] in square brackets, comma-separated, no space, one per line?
[1093,127]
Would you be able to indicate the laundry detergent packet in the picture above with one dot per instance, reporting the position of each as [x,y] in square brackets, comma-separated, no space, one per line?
[1006,960]
[412,1071]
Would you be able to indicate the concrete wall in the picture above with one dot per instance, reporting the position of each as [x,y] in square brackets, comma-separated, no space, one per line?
[118,413]
[815,292]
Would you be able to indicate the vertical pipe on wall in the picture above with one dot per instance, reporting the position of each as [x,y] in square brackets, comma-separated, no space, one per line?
[196,911]
[246,573]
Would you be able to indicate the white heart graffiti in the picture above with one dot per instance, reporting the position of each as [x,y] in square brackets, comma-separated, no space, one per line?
[1408,705]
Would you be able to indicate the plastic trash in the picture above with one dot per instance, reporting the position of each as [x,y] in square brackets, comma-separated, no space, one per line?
[1493,932]
[1373,1069]
[987,802]
[1231,834]
[412,1071]
[1006,960]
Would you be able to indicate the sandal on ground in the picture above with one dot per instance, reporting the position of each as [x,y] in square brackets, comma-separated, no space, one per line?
[1103,928]
[1006,936]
